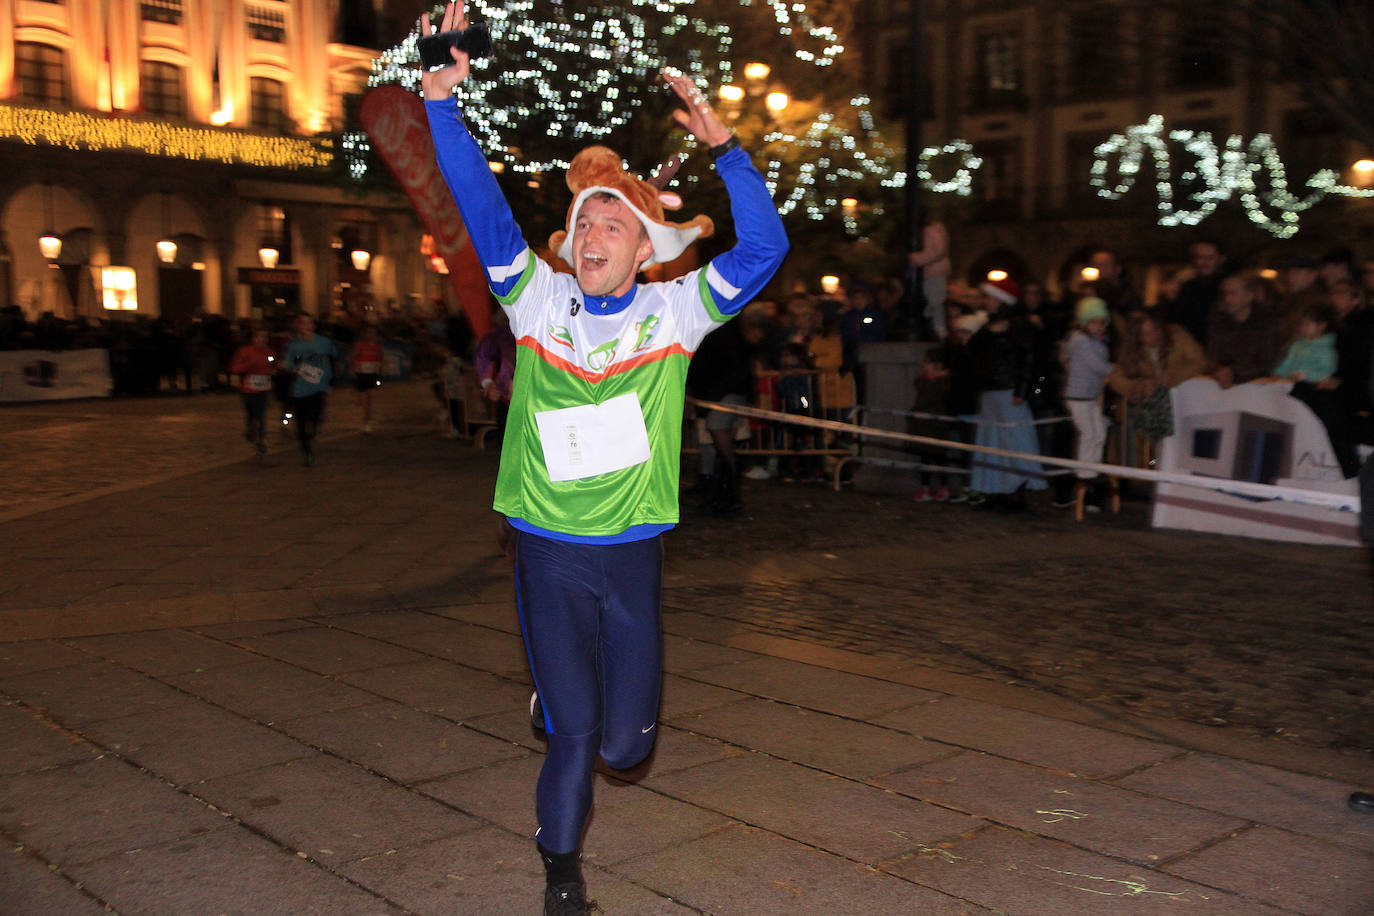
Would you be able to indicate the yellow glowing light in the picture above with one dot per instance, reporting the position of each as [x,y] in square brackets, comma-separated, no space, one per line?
[849,203]
[496,167]
[731,93]
[777,101]
[80,130]
[119,288]
[360,258]
[996,276]
[757,71]
[222,117]
[1269,273]
[1090,274]
[166,251]
[197,265]
[268,257]
[1364,166]
[830,284]
[50,246]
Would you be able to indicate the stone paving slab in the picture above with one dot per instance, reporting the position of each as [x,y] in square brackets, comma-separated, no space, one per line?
[850,819]
[34,742]
[187,742]
[1016,872]
[89,692]
[270,691]
[401,743]
[826,742]
[1088,814]
[163,652]
[1289,870]
[742,871]
[328,651]
[1293,801]
[1026,736]
[243,873]
[442,688]
[330,810]
[96,808]
[821,689]
[33,889]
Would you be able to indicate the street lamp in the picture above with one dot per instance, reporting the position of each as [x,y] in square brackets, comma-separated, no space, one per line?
[360,258]
[166,248]
[757,71]
[49,245]
[731,93]
[268,256]
[777,101]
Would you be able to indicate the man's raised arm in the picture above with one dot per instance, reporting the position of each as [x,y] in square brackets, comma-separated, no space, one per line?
[486,214]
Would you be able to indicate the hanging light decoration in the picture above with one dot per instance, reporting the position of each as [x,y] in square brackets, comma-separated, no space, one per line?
[166,248]
[49,244]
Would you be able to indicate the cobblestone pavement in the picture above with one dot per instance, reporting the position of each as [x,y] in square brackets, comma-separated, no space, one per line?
[1268,638]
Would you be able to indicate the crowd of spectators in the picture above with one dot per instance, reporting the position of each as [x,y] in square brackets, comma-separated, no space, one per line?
[158,356]
[1310,323]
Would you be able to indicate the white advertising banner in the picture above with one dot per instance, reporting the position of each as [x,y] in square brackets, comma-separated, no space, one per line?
[44,375]
[1255,433]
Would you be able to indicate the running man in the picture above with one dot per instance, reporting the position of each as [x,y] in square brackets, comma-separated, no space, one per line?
[311,357]
[255,363]
[589,465]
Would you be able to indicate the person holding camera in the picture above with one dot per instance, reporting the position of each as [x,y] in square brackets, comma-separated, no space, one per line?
[590,459]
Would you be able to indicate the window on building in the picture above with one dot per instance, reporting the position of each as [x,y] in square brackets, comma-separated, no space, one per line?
[164,89]
[1080,152]
[1199,57]
[999,70]
[168,11]
[40,73]
[267,102]
[999,186]
[1311,141]
[898,78]
[274,231]
[266,23]
[1093,58]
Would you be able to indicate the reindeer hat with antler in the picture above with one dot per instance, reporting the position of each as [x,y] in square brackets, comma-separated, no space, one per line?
[598,170]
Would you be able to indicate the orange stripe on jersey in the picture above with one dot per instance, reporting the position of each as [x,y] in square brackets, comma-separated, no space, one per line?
[643,359]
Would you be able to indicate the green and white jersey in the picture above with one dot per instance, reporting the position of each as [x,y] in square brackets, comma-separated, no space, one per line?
[595,425]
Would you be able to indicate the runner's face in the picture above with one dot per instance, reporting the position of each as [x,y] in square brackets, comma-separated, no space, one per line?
[609,243]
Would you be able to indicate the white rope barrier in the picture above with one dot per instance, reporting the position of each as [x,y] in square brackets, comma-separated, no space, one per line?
[1244,488]
[918,415]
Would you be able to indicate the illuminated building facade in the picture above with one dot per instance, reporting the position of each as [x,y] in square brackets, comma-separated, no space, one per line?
[194,142]
[1037,86]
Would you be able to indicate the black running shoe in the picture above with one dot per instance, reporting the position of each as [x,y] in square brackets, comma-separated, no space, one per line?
[568,900]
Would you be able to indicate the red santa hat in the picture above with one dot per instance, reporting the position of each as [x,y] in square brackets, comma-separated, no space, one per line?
[1003,290]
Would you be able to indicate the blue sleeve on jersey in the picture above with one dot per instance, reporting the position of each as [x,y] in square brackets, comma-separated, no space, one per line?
[760,241]
[488,218]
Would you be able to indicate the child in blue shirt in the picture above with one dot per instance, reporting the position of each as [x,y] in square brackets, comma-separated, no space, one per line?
[1312,357]
[1310,360]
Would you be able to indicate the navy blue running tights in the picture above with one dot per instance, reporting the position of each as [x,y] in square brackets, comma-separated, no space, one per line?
[590,615]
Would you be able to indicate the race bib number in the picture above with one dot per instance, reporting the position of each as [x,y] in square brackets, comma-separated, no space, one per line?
[311,374]
[593,439]
[259,383]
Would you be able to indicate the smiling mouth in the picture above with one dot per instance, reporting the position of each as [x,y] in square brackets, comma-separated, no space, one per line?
[594,260]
